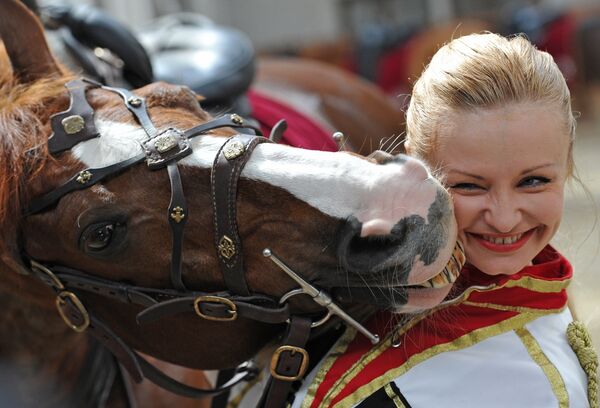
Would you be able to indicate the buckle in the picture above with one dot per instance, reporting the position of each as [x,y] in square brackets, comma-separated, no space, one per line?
[61,301]
[216,299]
[50,278]
[292,350]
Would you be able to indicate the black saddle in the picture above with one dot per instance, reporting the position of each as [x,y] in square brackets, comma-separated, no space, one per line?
[216,62]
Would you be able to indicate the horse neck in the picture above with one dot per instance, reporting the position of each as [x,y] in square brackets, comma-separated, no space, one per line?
[35,344]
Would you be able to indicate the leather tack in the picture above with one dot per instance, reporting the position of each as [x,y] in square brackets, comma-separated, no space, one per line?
[76,124]
[224,179]
[166,147]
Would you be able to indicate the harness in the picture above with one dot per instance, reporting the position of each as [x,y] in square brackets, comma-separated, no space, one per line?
[163,150]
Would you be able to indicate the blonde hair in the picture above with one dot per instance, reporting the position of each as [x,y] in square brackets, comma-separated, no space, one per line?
[483,71]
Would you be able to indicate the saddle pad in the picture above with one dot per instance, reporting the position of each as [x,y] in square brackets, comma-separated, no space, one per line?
[302,131]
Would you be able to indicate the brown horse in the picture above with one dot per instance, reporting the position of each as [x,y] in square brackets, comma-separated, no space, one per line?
[87,227]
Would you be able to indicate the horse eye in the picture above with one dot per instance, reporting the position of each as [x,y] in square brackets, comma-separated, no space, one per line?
[98,237]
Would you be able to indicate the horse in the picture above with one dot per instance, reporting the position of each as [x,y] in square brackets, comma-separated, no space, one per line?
[96,187]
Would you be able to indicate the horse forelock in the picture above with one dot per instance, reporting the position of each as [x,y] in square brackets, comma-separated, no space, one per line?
[24,131]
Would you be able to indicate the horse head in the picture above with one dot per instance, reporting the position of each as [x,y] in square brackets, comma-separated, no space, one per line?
[97,183]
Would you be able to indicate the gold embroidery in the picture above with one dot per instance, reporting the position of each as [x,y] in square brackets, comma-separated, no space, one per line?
[464,341]
[366,359]
[581,343]
[338,350]
[508,308]
[538,285]
[551,372]
[393,396]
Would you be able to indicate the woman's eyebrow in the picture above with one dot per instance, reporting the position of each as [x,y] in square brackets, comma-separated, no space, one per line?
[475,176]
[464,173]
[529,170]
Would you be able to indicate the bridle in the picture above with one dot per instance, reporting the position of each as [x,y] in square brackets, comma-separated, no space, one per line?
[164,149]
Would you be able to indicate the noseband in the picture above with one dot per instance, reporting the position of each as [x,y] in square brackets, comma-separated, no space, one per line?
[164,149]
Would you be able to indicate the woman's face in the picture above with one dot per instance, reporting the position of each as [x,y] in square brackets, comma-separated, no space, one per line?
[506,169]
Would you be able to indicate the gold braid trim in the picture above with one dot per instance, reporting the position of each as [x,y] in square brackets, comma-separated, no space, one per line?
[581,343]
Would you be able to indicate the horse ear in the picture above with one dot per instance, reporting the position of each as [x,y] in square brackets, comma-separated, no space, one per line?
[25,42]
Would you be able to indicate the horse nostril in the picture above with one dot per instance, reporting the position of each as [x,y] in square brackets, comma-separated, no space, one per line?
[363,253]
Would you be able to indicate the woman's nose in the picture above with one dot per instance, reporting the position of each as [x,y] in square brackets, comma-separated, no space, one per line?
[503,214]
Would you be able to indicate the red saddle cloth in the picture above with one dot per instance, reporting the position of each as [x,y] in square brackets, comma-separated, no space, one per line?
[302,131]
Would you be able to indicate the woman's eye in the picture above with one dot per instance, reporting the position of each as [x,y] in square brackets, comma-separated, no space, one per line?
[534,181]
[98,237]
[466,187]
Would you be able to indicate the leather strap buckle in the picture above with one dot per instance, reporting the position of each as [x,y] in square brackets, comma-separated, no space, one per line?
[48,276]
[289,354]
[66,300]
[231,308]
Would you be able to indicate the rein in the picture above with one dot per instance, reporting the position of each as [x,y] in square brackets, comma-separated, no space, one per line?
[165,149]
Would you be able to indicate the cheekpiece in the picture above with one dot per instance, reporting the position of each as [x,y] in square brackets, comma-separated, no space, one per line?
[167,146]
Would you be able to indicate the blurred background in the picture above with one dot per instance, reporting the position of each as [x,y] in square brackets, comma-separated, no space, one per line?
[389,42]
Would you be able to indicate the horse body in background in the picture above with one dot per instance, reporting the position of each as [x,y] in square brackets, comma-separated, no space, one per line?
[341,221]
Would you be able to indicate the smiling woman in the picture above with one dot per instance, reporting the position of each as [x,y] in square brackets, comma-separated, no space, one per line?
[492,116]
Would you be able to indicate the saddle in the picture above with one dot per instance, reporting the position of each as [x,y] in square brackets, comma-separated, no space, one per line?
[216,62]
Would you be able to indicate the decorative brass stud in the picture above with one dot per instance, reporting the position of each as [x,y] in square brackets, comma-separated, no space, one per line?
[135,101]
[73,124]
[84,176]
[178,214]
[226,247]
[237,119]
[233,150]
[165,143]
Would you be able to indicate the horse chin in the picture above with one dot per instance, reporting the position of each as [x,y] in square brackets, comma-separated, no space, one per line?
[422,299]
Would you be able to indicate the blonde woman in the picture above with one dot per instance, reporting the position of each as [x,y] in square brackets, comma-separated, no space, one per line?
[492,118]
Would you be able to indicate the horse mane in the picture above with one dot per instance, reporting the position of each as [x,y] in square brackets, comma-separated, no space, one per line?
[24,131]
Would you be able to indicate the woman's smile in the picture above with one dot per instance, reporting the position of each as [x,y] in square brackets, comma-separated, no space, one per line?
[502,242]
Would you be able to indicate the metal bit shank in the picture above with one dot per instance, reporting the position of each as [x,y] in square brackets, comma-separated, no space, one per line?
[321,297]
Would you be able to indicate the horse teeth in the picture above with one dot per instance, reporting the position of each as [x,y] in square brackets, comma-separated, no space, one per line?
[450,272]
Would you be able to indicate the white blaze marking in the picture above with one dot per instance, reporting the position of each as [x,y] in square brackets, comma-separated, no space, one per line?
[339,185]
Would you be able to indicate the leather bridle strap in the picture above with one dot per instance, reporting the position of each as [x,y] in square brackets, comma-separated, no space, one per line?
[76,124]
[289,363]
[78,318]
[137,106]
[80,181]
[225,174]
[215,310]
[177,215]
[162,303]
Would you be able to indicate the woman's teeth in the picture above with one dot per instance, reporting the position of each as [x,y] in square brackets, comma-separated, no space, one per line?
[503,240]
